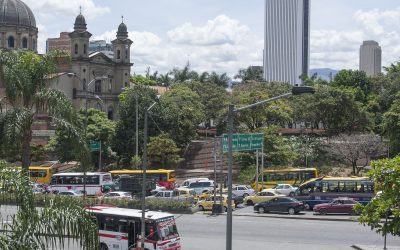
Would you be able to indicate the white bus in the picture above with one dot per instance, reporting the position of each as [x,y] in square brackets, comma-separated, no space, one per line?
[96,182]
[120,228]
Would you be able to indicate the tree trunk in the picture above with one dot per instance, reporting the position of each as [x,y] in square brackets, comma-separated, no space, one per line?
[354,164]
[26,150]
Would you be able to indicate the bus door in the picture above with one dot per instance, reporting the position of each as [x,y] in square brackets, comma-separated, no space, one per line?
[133,232]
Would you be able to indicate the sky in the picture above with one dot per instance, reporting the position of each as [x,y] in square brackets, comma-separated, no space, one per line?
[223,35]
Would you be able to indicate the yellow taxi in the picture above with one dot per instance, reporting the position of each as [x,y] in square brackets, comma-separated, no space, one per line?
[186,192]
[207,203]
[260,197]
[206,194]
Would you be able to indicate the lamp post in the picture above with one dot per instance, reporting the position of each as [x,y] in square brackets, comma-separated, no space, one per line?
[86,115]
[296,90]
[143,200]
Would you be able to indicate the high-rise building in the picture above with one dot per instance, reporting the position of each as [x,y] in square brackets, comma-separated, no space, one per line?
[287,40]
[370,58]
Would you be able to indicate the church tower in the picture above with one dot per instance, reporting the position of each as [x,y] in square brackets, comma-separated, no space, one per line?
[122,53]
[80,39]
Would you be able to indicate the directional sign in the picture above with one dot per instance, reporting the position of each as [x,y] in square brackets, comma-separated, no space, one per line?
[243,142]
[94,146]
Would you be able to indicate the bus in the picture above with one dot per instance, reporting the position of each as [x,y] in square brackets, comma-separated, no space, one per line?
[119,228]
[40,174]
[96,182]
[324,189]
[293,176]
[163,177]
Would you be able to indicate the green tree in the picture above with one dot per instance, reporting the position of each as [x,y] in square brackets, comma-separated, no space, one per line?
[163,152]
[250,74]
[184,75]
[391,126]
[27,77]
[142,80]
[179,113]
[386,174]
[49,227]
[123,142]
[355,79]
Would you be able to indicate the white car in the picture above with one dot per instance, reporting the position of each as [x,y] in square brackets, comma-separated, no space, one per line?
[242,190]
[285,189]
[70,193]
[117,195]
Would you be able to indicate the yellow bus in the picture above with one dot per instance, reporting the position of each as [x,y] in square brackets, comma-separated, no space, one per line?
[163,177]
[293,176]
[40,174]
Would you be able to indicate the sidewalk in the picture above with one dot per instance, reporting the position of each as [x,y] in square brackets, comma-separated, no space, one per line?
[380,247]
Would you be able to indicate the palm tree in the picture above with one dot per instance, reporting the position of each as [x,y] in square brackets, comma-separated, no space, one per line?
[59,222]
[26,77]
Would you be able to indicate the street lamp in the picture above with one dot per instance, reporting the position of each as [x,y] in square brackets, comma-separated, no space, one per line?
[86,114]
[143,200]
[296,90]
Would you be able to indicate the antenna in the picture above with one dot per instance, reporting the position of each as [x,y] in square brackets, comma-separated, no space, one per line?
[122,17]
[80,10]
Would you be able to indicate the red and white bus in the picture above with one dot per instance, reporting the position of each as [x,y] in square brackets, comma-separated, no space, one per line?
[120,228]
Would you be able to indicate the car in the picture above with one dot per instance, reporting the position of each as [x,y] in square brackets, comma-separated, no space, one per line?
[117,195]
[280,204]
[157,189]
[187,182]
[260,197]
[242,190]
[171,194]
[70,193]
[207,204]
[202,186]
[338,205]
[285,189]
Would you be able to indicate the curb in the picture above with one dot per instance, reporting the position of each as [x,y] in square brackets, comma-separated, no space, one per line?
[317,218]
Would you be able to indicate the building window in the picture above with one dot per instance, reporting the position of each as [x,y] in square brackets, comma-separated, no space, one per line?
[126,54]
[118,54]
[110,113]
[76,49]
[84,84]
[110,86]
[84,49]
[24,43]
[97,86]
[11,42]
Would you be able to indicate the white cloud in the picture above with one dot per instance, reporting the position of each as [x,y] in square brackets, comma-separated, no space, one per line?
[221,44]
[66,7]
[340,49]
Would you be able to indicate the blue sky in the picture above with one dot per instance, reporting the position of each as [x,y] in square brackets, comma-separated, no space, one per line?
[223,35]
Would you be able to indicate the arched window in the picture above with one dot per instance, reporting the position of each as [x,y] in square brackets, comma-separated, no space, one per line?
[110,85]
[110,113]
[118,54]
[76,48]
[126,54]
[97,86]
[84,84]
[11,42]
[84,49]
[24,43]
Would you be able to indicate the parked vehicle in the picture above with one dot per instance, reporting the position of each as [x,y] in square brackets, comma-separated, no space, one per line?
[70,193]
[260,197]
[187,182]
[339,205]
[207,204]
[237,199]
[171,194]
[185,192]
[280,204]
[242,190]
[325,189]
[163,177]
[285,189]
[117,195]
[201,186]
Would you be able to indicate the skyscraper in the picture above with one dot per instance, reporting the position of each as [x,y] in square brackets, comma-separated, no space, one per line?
[370,58]
[287,40]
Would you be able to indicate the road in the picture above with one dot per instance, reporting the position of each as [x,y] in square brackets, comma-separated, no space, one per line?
[200,231]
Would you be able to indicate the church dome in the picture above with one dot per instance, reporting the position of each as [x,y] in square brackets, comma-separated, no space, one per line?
[16,13]
[122,31]
[80,22]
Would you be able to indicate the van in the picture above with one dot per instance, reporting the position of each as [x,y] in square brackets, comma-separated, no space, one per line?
[201,186]
[187,182]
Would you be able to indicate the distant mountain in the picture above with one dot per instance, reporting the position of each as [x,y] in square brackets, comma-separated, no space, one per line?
[324,73]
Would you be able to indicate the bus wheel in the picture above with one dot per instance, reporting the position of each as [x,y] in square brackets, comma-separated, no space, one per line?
[103,246]
[307,206]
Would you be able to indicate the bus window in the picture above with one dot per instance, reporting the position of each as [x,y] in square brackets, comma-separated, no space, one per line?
[172,175]
[350,186]
[106,178]
[325,187]
[333,186]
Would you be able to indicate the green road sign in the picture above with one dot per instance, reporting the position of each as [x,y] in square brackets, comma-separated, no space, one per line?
[243,142]
[94,146]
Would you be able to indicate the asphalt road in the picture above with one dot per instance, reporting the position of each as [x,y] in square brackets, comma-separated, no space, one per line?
[200,232]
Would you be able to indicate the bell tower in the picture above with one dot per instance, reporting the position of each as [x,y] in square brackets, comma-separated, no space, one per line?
[80,39]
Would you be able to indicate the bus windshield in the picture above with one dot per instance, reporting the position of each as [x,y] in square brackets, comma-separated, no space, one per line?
[167,229]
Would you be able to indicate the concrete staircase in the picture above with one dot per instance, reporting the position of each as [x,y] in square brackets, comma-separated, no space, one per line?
[199,161]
